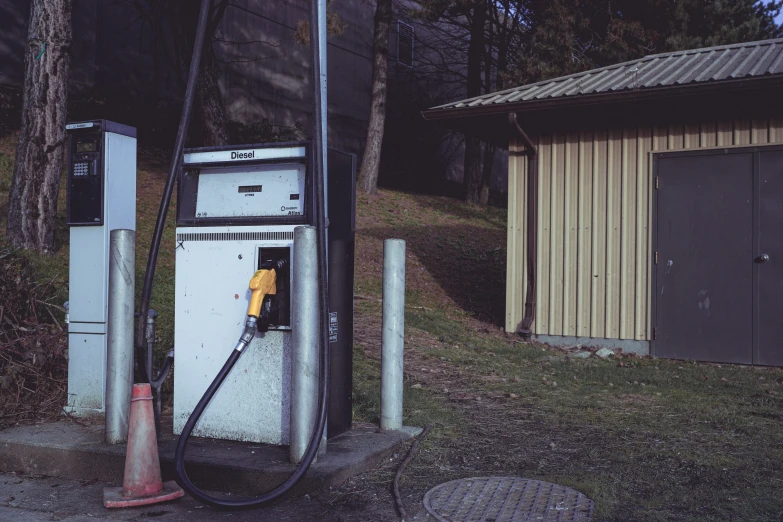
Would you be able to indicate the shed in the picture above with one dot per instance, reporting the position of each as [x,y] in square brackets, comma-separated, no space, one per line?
[645,203]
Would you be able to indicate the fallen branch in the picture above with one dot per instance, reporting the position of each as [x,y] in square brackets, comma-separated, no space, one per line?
[50,304]
[52,316]
[360,297]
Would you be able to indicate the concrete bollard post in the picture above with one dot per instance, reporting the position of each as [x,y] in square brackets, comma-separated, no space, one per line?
[119,357]
[393,339]
[306,341]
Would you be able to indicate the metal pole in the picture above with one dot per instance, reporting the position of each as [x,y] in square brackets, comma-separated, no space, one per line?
[322,97]
[305,341]
[320,136]
[119,360]
[393,340]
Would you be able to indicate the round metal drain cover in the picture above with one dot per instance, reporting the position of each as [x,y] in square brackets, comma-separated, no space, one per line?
[506,499]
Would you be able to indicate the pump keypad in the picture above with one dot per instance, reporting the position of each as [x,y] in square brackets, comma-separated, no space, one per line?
[81,169]
[85,179]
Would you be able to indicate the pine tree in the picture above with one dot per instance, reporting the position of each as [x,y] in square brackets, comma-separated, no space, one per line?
[32,201]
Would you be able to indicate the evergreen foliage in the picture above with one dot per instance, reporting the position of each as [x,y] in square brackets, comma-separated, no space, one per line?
[567,36]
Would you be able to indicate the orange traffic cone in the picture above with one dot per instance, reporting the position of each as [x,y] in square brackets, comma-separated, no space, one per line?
[142,483]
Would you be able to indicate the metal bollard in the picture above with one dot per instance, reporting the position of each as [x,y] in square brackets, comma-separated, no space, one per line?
[305,342]
[393,340]
[119,360]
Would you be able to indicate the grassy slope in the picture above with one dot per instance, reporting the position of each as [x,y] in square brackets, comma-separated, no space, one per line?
[647,439]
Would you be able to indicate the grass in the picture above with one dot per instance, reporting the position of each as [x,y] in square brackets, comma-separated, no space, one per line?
[648,440]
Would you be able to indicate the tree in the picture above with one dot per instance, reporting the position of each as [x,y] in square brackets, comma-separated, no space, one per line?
[574,35]
[471,42]
[472,166]
[368,172]
[210,112]
[174,22]
[32,203]
[507,28]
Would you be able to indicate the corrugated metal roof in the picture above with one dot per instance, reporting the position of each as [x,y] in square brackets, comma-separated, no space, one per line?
[681,68]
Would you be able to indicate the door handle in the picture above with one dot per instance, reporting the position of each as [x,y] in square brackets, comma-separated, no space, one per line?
[763,258]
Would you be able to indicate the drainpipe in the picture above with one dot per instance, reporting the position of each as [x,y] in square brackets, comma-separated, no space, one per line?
[525,328]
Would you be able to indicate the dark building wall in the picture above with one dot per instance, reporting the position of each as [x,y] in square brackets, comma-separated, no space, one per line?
[120,58]
[264,73]
[277,85]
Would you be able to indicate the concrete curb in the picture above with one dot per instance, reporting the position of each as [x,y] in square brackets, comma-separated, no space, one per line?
[77,451]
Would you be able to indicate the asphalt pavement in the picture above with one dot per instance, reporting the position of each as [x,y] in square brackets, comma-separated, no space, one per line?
[34,499]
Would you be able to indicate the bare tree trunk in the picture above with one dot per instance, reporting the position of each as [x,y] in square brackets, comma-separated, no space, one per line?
[486,177]
[489,149]
[472,166]
[32,203]
[209,102]
[368,173]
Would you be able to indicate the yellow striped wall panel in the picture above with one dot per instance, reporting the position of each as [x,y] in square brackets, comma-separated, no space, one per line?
[595,196]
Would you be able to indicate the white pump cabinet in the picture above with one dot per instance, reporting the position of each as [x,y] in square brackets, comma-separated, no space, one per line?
[101,186]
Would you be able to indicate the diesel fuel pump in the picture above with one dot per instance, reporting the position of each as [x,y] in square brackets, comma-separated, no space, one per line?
[237,208]
[233,221]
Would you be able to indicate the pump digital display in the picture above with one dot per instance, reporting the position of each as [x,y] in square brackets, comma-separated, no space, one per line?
[86,146]
[223,191]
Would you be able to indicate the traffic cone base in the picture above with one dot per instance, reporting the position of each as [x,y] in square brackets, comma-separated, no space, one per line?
[113,498]
[142,483]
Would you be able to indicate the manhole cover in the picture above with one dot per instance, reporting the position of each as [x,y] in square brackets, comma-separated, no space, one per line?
[506,499]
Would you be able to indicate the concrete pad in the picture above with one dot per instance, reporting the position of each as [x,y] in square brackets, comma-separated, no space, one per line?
[76,450]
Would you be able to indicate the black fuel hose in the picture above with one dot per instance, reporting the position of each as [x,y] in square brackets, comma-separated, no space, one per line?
[176,157]
[323,394]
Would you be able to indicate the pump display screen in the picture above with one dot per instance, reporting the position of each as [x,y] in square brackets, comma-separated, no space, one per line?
[86,146]
[236,191]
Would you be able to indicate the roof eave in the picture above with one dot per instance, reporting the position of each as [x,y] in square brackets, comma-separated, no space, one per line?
[601,98]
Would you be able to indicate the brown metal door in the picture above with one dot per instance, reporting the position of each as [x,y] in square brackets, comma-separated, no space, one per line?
[703,303]
[769,259]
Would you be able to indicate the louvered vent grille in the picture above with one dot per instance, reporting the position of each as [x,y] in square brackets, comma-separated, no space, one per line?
[404,44]
[235,236]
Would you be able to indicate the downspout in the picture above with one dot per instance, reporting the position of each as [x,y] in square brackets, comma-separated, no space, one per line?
[525,328]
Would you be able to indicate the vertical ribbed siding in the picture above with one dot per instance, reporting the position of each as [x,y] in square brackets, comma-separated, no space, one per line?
[643,202]
[613,219]
[543,290]
[628,274]
[571,225]
[584,235]
[595,197]
[516,247]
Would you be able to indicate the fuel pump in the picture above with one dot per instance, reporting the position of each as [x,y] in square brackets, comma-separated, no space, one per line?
[101,197]
[336,407]
[237,208]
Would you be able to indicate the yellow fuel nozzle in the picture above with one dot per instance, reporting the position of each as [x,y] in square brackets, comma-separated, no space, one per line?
[262,284]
